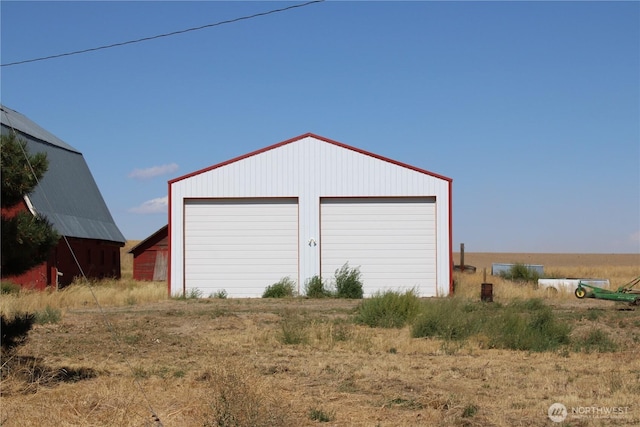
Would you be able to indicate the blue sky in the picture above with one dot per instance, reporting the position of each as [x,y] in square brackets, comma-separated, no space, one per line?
[532,108]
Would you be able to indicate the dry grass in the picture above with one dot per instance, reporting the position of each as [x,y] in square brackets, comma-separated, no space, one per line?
[229,362]
[84,294]
[618,268]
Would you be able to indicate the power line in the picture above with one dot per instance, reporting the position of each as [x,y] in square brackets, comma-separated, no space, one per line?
[144,39]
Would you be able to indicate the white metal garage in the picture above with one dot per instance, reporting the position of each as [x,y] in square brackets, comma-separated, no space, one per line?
[239,244]
[302,208]
[391,240]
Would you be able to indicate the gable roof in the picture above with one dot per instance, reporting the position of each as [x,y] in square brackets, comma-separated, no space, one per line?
[67,195]
[320,138]
[157,236]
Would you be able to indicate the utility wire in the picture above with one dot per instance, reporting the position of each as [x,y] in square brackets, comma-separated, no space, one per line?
[144,39]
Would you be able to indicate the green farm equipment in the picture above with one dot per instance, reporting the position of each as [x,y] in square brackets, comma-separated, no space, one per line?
[624,293]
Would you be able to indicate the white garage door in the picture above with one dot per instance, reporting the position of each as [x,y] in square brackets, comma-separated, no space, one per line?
[240,245]
[392,240]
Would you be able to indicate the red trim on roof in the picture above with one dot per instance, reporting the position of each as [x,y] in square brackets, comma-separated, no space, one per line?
[170,246]
[451,289]
[161,232]
[308,135]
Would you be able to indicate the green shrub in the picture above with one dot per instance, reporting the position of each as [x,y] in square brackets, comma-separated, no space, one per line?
[469,411]
[341,330]
[348,282]
[9,288]
[221,294]
[192,293]
[448,318]
[293,329]
[389,309]
[281,289]
[524,325]
[48,315]
[315,288]
[520,273]
[596,340]
[536,330]
[316,414]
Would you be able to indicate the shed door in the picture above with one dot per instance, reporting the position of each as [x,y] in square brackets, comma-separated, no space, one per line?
[392,240]
[240,245]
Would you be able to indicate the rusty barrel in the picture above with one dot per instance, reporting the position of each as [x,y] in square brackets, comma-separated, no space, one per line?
[486,292]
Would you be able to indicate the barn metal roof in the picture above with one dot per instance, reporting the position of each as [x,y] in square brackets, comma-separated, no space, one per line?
[67,195]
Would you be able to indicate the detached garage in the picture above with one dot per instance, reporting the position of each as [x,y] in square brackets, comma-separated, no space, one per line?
[305,207]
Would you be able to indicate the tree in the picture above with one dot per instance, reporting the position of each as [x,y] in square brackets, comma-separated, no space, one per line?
[26,239]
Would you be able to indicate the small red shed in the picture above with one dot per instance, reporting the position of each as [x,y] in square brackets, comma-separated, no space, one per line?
[150,256]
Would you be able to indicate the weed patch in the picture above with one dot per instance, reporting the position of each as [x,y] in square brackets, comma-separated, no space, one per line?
[469,411]
[315,288]
[221,294]
[293,329]
[48,315]
[520,273]
[193,293]
[595,341]
[537,330]
[7,287]
[240,399]
[348,282]
[410,404]
[523,325]
[389,309]
[281,289]
[320,415]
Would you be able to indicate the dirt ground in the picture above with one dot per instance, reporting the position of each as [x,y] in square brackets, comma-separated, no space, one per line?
[303,362]
[168,358]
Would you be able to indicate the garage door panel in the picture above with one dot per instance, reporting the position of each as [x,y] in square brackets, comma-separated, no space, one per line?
[392,241]
[378,236]
[241,246]
[379,229]
[227,263]
[243,228]
[241,237]
[365,260]
[270,271]
[376,218]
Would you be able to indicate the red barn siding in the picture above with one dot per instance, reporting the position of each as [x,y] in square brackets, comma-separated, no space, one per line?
[150,257]
[97,258]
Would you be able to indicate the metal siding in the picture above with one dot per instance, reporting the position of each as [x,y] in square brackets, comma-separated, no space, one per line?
[241,246]
[309,169]
[391,241]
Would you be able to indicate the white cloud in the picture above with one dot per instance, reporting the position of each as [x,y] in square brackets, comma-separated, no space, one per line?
[153,171]
[152,206]
[635,237]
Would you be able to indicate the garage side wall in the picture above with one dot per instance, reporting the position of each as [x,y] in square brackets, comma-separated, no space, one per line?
[309,169]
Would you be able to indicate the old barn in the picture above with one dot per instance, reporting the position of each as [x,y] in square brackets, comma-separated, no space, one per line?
[303,208]
[69,198]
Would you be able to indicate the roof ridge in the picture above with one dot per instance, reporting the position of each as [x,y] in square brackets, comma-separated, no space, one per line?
[19,122]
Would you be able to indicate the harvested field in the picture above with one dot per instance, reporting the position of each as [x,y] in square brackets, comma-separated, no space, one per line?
[485,259]
[304,362]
